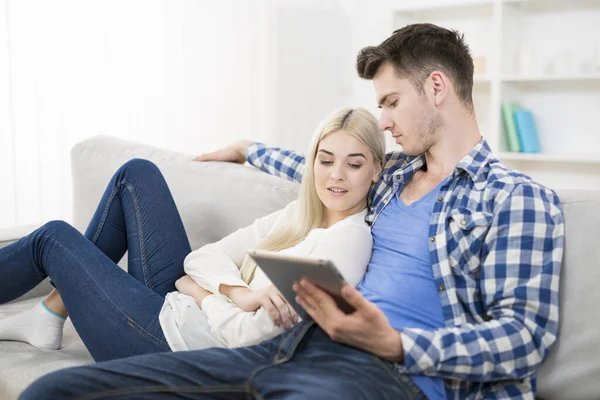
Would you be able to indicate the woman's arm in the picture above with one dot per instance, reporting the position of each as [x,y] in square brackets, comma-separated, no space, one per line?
[236,327]
[219,263]
[186,285]
[349,246]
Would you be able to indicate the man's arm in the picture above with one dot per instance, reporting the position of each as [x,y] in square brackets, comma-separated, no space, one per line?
[272,160]
[275,161]
[519,279]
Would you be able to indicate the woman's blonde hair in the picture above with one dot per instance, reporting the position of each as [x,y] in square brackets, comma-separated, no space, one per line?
[358,123]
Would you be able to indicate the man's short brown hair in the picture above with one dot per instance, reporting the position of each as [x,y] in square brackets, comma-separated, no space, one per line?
[417,50]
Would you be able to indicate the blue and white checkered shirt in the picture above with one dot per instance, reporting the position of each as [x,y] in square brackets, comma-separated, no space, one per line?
[496,241]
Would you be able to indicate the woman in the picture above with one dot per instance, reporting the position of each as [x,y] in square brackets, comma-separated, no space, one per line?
[119,314]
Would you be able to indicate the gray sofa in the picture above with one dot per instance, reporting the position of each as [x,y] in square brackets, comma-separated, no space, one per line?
[216,198]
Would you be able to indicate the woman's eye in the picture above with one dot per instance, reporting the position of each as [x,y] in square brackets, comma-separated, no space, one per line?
[323,162]
[393,104]
[355,166]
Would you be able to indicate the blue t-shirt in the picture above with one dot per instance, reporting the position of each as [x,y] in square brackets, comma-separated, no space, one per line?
[399,278]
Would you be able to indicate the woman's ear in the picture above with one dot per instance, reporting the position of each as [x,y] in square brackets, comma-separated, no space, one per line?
[377,173]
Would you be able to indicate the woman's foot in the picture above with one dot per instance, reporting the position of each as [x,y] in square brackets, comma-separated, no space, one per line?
[39,327]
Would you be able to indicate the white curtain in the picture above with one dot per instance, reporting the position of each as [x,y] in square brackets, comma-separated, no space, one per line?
[170,73]
[189,75]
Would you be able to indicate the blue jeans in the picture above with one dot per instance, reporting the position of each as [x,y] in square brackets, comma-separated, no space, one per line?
[114,312]
[302,363]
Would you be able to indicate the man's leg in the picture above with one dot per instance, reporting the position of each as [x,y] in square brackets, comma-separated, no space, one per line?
[212,373]
[319,368]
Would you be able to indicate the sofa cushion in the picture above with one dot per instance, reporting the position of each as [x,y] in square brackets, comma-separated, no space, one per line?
[573,366]
[21,364]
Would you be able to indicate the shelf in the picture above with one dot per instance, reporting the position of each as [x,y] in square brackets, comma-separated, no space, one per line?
[443,6]
[551,78]
[559,83]
[552,5]
[544,157]
[541,54]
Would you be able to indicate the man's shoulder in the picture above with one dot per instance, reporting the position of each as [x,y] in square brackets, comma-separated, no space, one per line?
[502,181]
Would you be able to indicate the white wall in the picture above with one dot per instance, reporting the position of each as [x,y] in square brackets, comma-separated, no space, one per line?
[188,75]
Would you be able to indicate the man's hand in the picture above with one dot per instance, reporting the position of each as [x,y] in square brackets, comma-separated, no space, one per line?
[269,298]
[186,285]
[233,153]
[367,328]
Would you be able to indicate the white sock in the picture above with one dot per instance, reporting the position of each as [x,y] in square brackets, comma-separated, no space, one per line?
[39,327]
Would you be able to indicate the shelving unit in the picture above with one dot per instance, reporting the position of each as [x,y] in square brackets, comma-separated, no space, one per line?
[543,54]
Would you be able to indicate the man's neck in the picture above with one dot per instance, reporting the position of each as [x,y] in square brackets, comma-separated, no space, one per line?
[454,143]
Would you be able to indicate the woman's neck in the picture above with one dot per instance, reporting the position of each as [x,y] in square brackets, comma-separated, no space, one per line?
[331,217]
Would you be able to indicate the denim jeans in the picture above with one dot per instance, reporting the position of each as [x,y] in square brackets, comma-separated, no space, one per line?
[114,312]
[302,363]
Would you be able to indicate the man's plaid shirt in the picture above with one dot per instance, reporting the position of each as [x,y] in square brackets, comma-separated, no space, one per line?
[496,241]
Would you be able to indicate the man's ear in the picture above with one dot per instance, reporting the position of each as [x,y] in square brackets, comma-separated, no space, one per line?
[439,86]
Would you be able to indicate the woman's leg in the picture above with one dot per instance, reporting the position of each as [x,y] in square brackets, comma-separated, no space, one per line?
[115,314]
[136,213]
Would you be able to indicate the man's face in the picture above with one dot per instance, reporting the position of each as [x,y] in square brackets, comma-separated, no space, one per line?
[408,114]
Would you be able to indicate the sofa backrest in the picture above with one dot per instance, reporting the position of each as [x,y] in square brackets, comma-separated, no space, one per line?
[214,199]
[572,370]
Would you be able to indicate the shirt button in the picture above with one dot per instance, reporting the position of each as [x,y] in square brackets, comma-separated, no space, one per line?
[463,222]
[432,239]
[442,288]
[440,198]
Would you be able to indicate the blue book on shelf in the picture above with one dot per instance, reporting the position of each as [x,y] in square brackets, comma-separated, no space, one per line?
[526,131]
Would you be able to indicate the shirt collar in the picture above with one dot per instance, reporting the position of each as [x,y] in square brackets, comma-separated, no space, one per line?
[473,164]
[476,161]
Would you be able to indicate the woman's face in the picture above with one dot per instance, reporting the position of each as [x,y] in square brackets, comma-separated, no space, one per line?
[344,171]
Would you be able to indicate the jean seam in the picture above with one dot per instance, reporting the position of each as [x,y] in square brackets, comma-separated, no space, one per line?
[130,188]
[136,208]
[167,389]
[105,214]
[399,378]
[294,344]
[158,340]
[252,392]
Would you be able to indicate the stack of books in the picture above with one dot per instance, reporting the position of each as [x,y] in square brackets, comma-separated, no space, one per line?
[520,129]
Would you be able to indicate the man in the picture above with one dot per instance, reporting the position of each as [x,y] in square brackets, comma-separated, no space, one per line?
[460,299]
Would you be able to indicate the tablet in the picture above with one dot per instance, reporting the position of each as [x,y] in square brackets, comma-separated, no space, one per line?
[284,270]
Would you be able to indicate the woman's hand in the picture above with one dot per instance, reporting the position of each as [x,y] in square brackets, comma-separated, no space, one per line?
[269,298]
[186,285]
